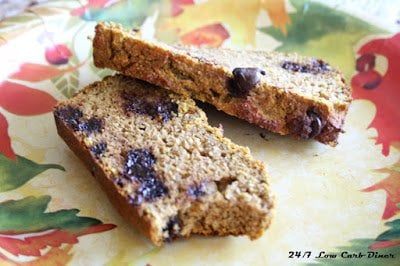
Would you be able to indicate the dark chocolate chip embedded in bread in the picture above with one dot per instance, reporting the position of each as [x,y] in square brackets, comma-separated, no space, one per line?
[162,165]
[270,89]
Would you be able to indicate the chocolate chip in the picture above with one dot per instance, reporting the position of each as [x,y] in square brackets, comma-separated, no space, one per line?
[165,109]
[98,149]
[120,181]
[244,79]
[316,66]
[156,108]
[152,188]
[73,117]
[139,167]
[306,126]
[172,230]
[316,124]
[91,125]
[70,115]
[197,191]
[139,163]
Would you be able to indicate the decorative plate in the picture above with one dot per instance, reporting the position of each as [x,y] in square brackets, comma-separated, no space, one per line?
[335,206]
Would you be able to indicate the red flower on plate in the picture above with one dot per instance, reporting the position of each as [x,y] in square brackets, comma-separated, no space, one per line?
[23,100]
[383,91]
[58,54]
[211,35]
[20,100]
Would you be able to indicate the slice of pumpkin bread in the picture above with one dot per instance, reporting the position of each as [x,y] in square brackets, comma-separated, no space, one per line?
[161,164]
[284,93]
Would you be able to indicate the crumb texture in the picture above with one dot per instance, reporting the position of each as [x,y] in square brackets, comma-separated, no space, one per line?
[164,163]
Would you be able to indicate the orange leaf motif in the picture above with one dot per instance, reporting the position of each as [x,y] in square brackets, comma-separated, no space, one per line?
[31,244]
[176,6]
[383,91]
[211,36]
[277,13]
[385,244]
[239,17]
[22,100]
[55,256]
[391,185]
[37,72]
[5,141]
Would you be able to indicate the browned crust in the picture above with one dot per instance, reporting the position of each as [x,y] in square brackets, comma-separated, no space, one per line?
[129,212]
[117,49]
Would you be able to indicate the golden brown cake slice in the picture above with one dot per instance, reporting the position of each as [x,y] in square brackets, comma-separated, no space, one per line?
[162,165]
[284,93]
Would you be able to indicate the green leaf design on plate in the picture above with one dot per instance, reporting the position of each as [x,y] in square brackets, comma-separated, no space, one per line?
[320,31]
[130,13]
[68,83]
[14,174]
[29,214]
[356,246]
[392,233]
